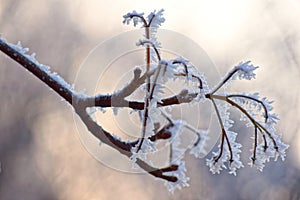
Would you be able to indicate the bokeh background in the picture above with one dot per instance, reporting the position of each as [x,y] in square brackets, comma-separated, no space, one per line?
[41,154]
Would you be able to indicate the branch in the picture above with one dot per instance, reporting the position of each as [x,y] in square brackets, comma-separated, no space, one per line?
[80,104]
[36,69]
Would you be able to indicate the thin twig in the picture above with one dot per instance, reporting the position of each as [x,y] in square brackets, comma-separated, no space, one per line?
[254,122]
[224,135]
[253,99]
[229,75]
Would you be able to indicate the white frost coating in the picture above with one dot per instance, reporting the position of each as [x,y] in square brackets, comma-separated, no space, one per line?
[225,115]
[245,70]
[258,109]
[281,148]
[234,165]
[115,110]
[180,174]
[263,109]
[156,18]
[134,16]
[153,116]
[175,139]
[103,110]
[216,167]
[198,149]
[91,111]
[181,66]
[18,47]
[150,42]
[265,155]
[44,67]
[61,81]
[254,105]
[147,147]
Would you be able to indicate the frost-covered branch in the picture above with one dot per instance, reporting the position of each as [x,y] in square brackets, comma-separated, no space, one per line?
[157,123]
[244,70]
[80,102]
[54,81]
[264,151]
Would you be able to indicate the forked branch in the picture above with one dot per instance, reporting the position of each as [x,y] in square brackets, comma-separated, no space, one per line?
[80,103]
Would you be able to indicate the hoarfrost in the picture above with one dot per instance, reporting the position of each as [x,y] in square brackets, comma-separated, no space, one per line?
[198,147]
[245,70]
[180,173]
[23,50]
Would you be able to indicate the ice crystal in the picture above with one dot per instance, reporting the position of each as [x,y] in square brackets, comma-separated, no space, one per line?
[134,16]
[24,50]
[216,165]
[264,154]
[245,70]
[156,18]
[180,173]
[198,147]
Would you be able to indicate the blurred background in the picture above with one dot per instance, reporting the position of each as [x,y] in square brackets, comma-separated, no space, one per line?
[41,154]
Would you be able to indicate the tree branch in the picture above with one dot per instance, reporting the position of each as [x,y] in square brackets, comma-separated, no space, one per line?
[80,103]
[48,78]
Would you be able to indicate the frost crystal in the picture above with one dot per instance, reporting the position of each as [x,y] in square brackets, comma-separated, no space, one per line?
[264,155]
[198,147]
[281,148]
[136,17]
[180,174]
[216,167]
[175,140]
[156,18]
[234,163]
[245,70]
[45,68]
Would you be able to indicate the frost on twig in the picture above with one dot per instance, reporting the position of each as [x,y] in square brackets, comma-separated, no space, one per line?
[157,123]
[251,106]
